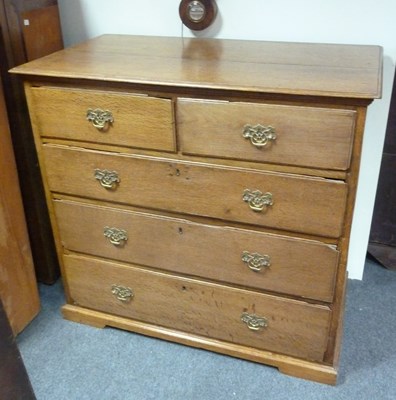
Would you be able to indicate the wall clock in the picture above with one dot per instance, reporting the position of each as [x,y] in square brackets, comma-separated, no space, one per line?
[197,14]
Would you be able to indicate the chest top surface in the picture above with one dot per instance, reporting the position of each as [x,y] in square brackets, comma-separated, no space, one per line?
[349,71]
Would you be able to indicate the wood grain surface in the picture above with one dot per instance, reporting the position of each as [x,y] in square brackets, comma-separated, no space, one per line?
[305,136]
[301,204]
[299,267]
[348,71]
[139,121]
[18,287]
[294,328]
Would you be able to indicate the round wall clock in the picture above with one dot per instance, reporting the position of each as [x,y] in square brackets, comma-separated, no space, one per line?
[197,14]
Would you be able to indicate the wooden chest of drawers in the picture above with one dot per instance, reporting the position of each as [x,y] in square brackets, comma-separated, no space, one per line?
[202,191]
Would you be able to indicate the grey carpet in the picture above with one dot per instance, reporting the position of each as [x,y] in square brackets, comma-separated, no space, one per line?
[70,361]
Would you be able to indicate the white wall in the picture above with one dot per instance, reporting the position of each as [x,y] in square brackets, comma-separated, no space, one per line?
[335,21]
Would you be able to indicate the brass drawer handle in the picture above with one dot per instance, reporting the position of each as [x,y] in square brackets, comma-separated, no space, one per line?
[118,237]
[259,135]
[255,261]
[122,293]
[257,200]
[254,322]
[100,119]
[108,179]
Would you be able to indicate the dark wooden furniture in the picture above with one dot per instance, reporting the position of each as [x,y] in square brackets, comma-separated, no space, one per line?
[29,29]
[14,380]
[18,287]
[202,190]
[382,244]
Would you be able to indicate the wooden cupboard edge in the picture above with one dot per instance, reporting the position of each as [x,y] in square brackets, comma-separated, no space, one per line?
[313,371]
[47,191]
[335,334]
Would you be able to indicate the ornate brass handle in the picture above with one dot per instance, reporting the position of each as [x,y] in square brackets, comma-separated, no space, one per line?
[108,179]
[257,200]
[259,135]
[122,293]
[255,261]
[118,237]
[254,322]
[100,119]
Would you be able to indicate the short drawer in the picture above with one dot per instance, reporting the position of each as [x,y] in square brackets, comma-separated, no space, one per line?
[76,114]
[303,204]
[210,310]
[248,258]
[293,135]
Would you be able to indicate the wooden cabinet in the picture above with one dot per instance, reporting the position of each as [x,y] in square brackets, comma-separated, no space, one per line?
[18,288]
[29,29]
[14,380]
[202,191]
[383,228]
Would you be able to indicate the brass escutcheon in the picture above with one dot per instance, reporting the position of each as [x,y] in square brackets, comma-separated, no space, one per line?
[259,135]
[108,179]
[254,322]
[257,200]
[122,293]
[118,237]
[100,119]
[255,261]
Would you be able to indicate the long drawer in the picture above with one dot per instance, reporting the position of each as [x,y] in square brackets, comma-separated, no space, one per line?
[210,310]
[237,256]
[272,133]
[114,118]
[283,201]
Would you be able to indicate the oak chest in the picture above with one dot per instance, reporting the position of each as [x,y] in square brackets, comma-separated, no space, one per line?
[202,190]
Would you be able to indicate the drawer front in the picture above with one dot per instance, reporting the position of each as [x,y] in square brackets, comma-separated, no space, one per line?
[303,136]
[294,328]
[137,121]
[298,203]
[237,256]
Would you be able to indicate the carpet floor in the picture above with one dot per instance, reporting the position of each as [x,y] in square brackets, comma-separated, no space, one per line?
[70,361]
